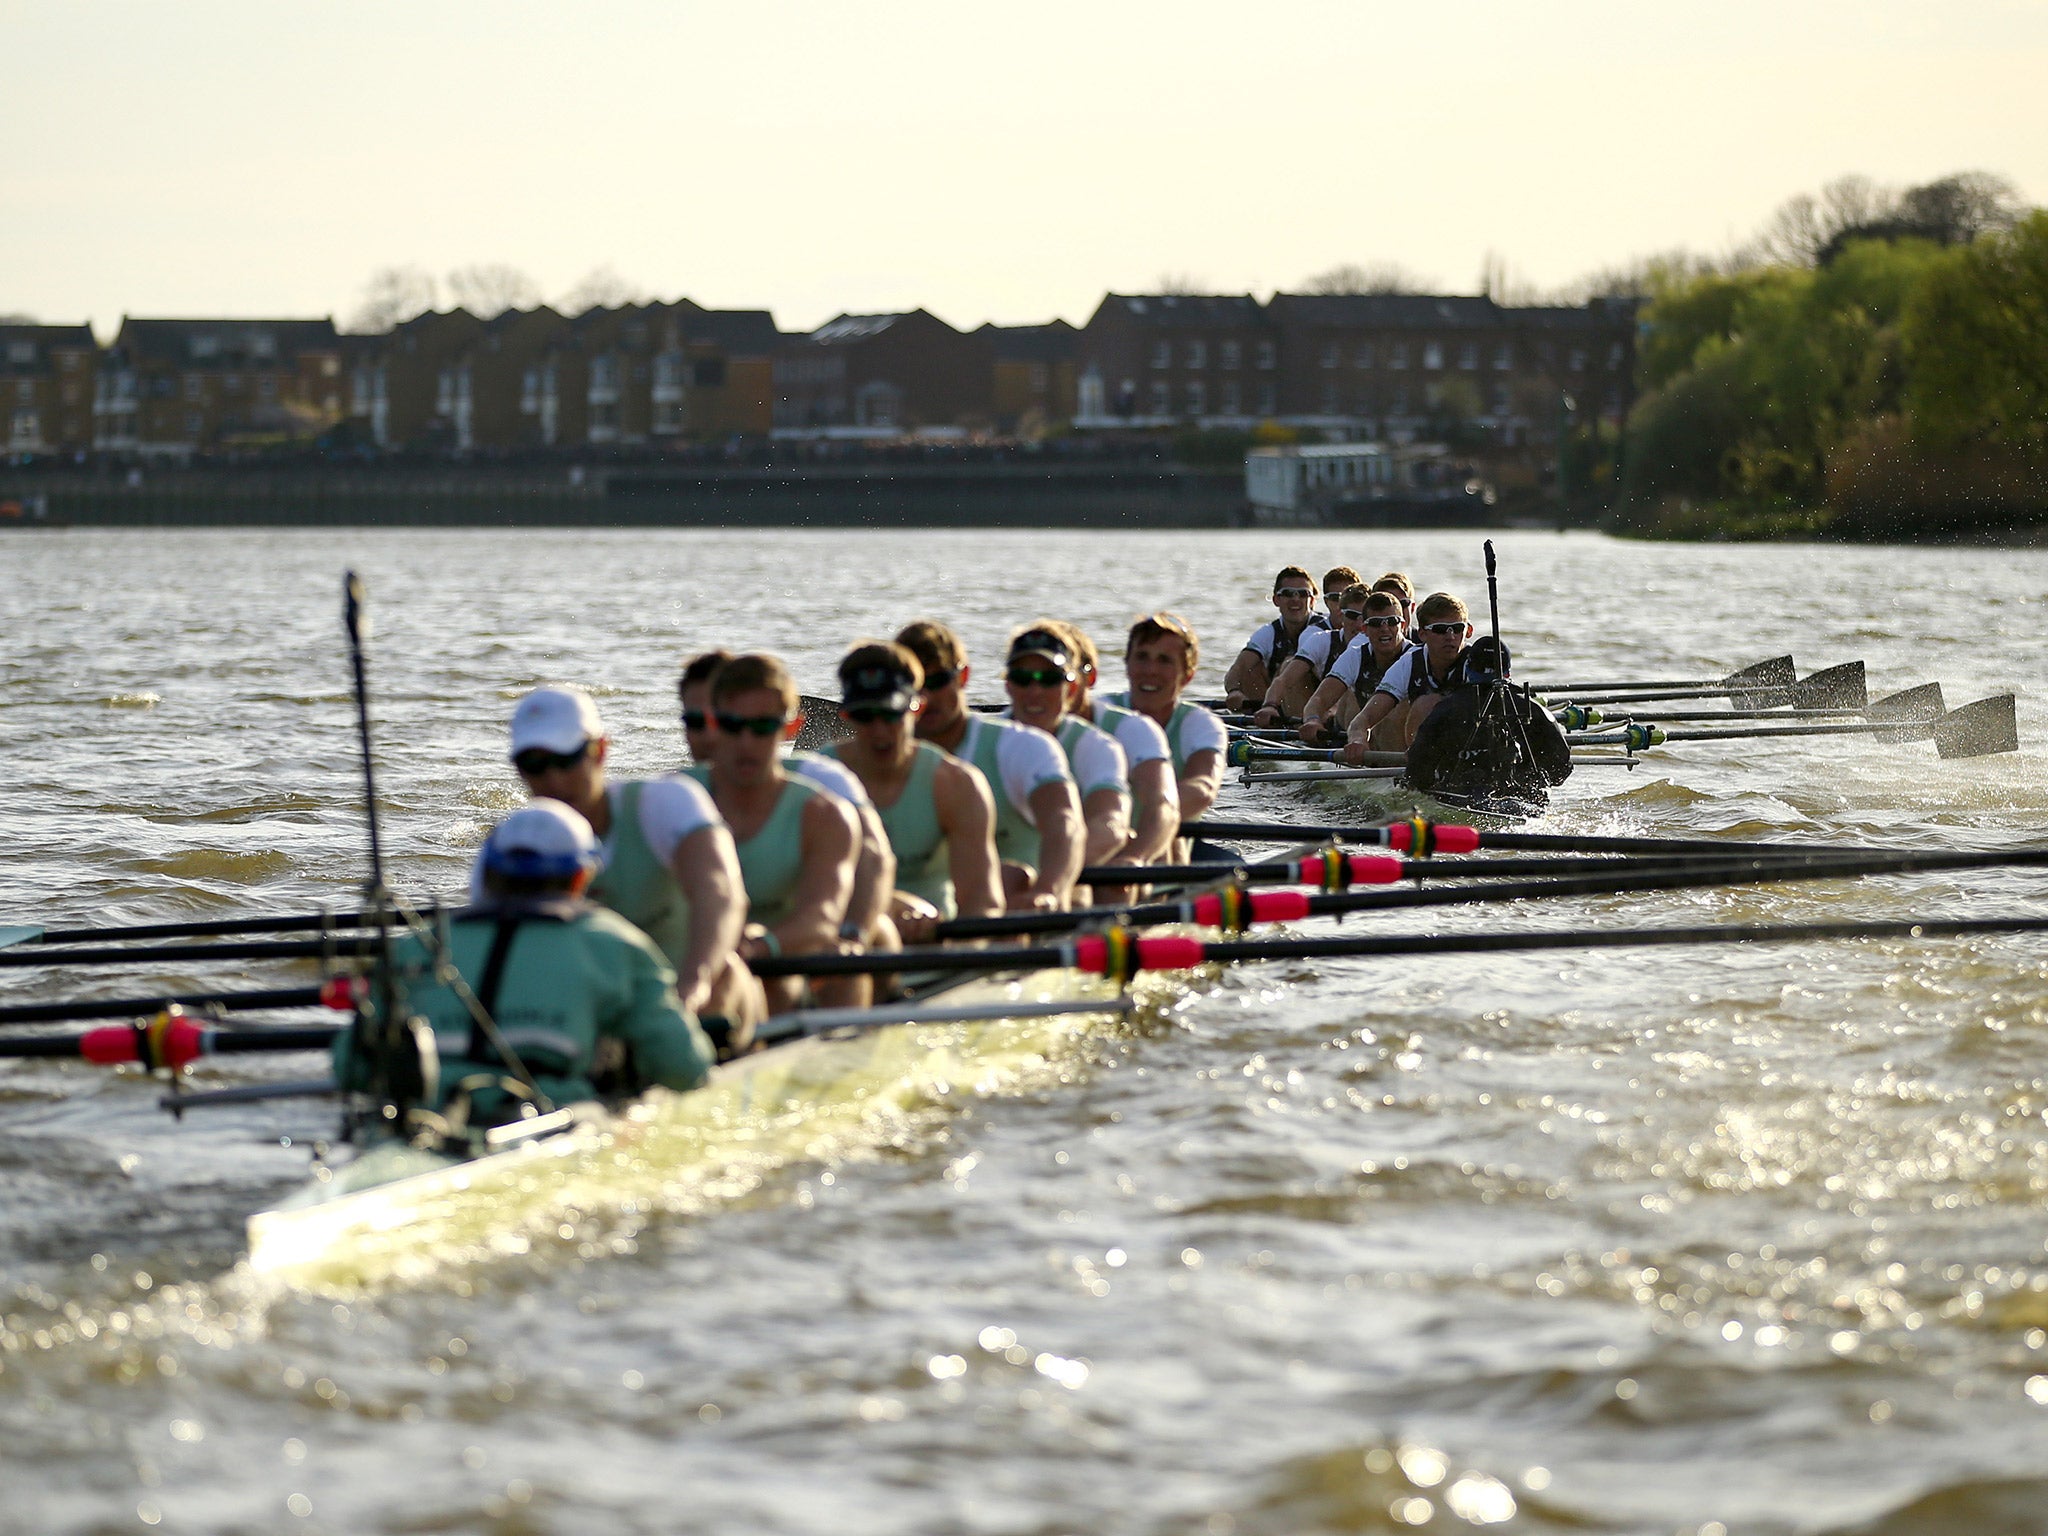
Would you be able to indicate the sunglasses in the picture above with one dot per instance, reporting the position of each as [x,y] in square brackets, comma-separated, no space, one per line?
[535,761]
[1454,627]
[1353,614]
[868,714]
[1382,621]
[1037,677]
[696,719]
[1300,592]
[751,725]
[934,681]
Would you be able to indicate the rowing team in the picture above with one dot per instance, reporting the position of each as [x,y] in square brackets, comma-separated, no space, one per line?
[628,911]
[1366,672]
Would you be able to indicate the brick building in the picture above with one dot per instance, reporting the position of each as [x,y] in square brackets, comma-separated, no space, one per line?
[481,389]
[395,379]
[721,372]
[1163,359]
[1034,385]
[178,387]
[882,375]
[46,388]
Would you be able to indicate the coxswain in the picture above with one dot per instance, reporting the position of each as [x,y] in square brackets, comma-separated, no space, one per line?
[669,864]
[1038,810]
[797,843]
[1161,654]
[874,875]
[1357,673]
[1415,682]
[1309,667]
[1040,672]
[563,990]
[1294,594]
[936,810]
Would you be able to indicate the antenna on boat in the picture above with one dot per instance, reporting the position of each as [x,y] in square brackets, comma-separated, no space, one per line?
[380,1050]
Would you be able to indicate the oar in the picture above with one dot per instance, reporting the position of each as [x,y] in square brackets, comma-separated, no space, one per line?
[338,993]
[1840,687]
[355,947]
[173,1040]
[1975,730]
[822,725]
[300,922]
[1775,673]
[1751,871]
[1910,707]
[1419,835]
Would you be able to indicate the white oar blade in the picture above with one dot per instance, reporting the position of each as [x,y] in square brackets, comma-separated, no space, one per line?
[18,935]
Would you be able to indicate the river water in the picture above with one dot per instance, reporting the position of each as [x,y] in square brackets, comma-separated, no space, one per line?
[1688,1240]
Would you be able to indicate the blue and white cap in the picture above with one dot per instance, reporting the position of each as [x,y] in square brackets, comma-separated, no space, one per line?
[545,840]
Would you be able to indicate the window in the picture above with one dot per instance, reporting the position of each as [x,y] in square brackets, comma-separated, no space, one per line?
[1330,358]
[1198,354]
[1267,401]
[194,386]
[266,386]
[1232,402]
[1578,360]
[1329,399]
[708,373]
[1432,354]
[1500,399]
[194,424]
[1397,355]
[1401,400]
[1362,358]
[205,346]
[1432,395]
[1161,402]
[1468,355]
[25,390]
[1268,354]
[1503,357]
[1614,357]
[1162,354]
[1227,354]
[21,352]
[1198,398]
[232,383]
[1041,376]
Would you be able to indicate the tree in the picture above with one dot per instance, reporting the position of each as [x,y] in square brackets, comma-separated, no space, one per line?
[1181,285]
[1640,277]
[392,296]
[1371,277]
[599,288]
[490,288]
[1502,284]
[1976,344]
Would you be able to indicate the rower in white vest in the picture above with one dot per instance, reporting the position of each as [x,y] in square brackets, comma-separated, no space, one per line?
[1041,669]
[1161,654]
[1310,665]
[1294,594]
[1038,811]
[1155,798]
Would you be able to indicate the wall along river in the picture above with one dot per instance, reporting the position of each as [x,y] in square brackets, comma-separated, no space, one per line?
[1684,1240]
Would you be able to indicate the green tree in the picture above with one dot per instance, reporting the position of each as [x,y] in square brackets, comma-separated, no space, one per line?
[1976,345]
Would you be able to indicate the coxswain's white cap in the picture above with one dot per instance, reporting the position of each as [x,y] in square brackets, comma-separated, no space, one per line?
[555,719]
[545,840]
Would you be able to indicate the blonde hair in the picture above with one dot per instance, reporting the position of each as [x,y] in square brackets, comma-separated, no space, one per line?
[1439,608]
[936,647]
[1342,573]
[1395,581]
[743,674]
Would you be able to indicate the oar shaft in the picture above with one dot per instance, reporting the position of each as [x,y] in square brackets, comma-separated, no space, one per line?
[301,922]
[133,1007]
[354,947]
[1395,835]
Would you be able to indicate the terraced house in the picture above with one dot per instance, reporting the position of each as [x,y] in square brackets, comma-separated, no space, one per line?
[46,388]
[173,388]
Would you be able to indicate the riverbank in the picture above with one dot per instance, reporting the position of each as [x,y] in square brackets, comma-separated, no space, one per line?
[1127,495]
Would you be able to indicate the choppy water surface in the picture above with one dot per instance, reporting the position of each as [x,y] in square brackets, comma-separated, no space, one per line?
[1753,1240]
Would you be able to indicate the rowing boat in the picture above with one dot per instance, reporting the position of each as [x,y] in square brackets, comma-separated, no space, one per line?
[399,1215]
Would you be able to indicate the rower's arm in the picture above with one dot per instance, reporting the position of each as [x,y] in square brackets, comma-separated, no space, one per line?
[707,869]
[1328,692]
[1056,810]
[1246,678]
[967,815]
[1200,785]
[817,902]
[874,877]
[1284,696]
[1107,815]
[1156,803]
[1359,735]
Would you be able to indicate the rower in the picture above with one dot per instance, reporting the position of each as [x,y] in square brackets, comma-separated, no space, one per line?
[669,864]
[1309,667]
[1294,594]
[874,876]
[1417,680]
[1160,658]
[1155,798]
[797,844]
[1038,811]
[562,983]
[1398,583]
[1358,671]
[1337,580]
[1041,670]
[936,810]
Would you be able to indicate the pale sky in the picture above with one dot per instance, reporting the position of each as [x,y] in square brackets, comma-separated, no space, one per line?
[227,157]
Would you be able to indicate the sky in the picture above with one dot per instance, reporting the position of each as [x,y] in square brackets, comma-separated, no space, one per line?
[226,157]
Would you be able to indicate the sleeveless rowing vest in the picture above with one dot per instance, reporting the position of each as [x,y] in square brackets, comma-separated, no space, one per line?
[1285,645]
[1017,840]
[1370,673]
[924,865]
[1181,711]
[773,857]
[637,885]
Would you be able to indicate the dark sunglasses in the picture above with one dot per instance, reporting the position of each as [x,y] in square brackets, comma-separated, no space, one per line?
[751,725]
[934,681]
[868,714]
[1302,592]
[1454,627]
[1037,677]
[535,761]
[1353,614]
[1382,621]
[696,719]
